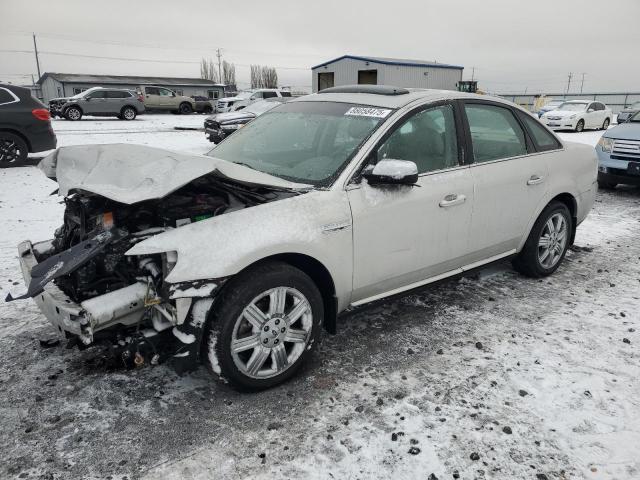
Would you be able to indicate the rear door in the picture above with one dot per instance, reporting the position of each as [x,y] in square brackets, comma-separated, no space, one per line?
[509,178]
[404,235]
[593,116]
[152,97]
[114,101]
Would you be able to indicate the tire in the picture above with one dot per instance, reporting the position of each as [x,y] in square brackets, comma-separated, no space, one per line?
[606,123]
[128,113]
[185,108]
[580,126]
[274,347]
[13,150]
[531,261]
[73,114]
[208,110]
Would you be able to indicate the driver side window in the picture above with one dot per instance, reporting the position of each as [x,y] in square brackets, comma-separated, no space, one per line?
[427,138]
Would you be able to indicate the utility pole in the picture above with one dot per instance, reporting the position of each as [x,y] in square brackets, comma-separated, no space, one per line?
[473,72]
[35,48]
[218,54]
[582,84]
[569,82]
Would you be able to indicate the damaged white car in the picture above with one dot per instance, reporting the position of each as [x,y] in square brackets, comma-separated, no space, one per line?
[239,258]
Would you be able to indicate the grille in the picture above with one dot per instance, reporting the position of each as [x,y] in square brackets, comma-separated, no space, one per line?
[627,148]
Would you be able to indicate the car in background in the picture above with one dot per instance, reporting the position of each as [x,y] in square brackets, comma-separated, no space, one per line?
[247,97]
[99,102]
[552,105]
[221,125]
[619,154]
[628,112]
[204,104]
[25,126]
[240,258]
[577,115]
[162,99]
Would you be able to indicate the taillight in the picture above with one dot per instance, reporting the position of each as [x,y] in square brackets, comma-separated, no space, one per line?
[41,114]
[140,98]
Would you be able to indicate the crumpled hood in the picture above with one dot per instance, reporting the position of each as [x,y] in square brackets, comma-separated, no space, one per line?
[134,173]
[624,131]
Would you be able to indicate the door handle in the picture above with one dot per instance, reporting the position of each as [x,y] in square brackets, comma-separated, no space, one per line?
[535,180]
[452,200]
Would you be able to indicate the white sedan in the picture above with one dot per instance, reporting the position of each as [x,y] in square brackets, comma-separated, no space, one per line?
[239,259]
[577,115]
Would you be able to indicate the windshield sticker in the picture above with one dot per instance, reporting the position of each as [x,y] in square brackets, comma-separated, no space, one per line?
[368,112]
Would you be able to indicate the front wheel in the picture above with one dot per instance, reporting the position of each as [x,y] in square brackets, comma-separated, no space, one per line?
[547,243]
[73,113]
[580,126]
[265,326]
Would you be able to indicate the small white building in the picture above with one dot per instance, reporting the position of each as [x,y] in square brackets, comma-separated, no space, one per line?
[352,70]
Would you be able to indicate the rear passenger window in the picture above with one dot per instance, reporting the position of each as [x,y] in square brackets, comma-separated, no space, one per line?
[5,96]
[269,94]
[285,94]
[495,133]
[543,139]
[427,138]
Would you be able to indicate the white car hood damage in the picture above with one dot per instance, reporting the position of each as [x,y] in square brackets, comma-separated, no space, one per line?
[135,173]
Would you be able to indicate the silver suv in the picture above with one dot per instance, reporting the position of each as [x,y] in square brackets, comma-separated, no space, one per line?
[99,102]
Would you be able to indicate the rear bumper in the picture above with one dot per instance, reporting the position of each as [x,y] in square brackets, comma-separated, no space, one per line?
[43,140]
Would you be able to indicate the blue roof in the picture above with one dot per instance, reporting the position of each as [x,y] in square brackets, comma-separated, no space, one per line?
[401,62]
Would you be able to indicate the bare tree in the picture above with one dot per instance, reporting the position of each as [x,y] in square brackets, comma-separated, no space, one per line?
[269,77]
[208,70]
[228,73]
[256,77]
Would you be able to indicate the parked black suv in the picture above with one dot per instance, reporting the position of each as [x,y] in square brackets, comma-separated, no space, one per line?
[25,126]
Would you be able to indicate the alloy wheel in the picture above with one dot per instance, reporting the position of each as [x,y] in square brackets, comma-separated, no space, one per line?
[9,151]
[553,241]
[129,114]
[271,333]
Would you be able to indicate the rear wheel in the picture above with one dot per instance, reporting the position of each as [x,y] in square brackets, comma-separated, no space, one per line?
[128,113]
[185,108]
[265,327]
[580,126]
[605,125]
[208,109]
[13,150]
[548,242]
[73,113]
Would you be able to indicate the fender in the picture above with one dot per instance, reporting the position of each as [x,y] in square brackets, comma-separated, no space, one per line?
[316,224]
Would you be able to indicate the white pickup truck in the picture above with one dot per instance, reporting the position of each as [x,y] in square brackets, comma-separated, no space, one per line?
[247,97]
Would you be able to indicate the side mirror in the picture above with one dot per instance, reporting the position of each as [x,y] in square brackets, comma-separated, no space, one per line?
[590,110]
[173,94]
[87,99]
[391,172]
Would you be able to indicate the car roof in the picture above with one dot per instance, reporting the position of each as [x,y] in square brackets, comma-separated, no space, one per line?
[380,96]
[579,101]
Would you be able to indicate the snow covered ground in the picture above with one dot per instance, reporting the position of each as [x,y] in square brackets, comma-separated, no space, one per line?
[491,377]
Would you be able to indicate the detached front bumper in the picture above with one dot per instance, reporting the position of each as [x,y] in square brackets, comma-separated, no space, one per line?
[125,306]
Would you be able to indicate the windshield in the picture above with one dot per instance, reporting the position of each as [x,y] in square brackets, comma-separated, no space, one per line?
[304,142]
[554,104]
[573,107]
[244,95]
[261,107]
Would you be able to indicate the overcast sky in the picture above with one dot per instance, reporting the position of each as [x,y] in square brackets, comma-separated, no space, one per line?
[512,44]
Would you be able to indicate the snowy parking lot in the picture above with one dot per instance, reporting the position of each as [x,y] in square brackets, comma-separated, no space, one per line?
[495,376]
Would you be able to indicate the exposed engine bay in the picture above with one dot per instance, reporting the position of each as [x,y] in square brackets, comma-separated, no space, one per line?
[120,297]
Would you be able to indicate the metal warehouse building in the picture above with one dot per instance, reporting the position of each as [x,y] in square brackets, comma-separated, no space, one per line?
[55,85]
[350,70]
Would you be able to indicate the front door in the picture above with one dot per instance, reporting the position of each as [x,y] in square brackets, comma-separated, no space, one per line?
[402,234]
[510,180]
[94,102]
[167,98]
